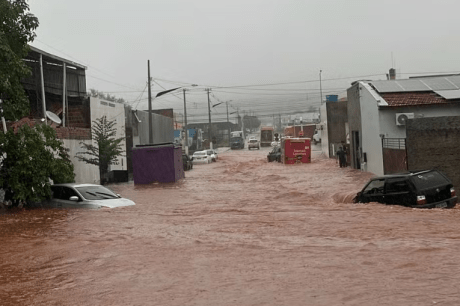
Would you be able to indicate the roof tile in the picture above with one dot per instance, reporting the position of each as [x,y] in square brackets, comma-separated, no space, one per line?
[413,98]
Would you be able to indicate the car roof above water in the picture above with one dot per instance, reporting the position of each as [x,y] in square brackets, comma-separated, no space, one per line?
[403,174]
[76,185]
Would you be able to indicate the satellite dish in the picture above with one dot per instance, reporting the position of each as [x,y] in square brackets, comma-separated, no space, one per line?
[53,117]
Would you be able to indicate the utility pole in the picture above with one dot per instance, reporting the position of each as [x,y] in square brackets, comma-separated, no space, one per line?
[321,94]
[43,88]
[242,125]
[150,105]
[320,88]
[185,125]
[210,128]
[280,126]
[228,125]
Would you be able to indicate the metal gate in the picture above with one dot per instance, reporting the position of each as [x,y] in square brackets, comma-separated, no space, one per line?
[394,155]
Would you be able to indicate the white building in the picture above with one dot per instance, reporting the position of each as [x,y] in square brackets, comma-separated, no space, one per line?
[113,111]
[378,110]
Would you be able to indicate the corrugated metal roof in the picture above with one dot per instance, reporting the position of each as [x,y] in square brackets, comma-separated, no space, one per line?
[57,58]
[419,84]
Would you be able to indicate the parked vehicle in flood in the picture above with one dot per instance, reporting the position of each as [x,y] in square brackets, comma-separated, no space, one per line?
[187,162]
[266,136]
[202,157]
[421,189]
[91,196]
[236,140]
[213,153]
[274,154]
[253,144]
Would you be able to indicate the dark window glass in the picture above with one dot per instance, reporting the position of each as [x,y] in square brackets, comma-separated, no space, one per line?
[375,186]
[63,193]
[429,180]
[57,192]
[397,185]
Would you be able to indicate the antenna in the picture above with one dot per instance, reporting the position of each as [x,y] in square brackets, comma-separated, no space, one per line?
[53,117]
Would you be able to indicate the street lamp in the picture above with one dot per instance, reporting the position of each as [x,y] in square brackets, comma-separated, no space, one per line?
[185,113]
[150,109]
[185,120]
[320,88]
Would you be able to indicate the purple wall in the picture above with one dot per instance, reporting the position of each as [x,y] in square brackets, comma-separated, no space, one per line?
[157,164]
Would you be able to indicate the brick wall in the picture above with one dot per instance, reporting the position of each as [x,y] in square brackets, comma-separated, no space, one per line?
[73,133]
[337,116]
[79,117]
[434,143]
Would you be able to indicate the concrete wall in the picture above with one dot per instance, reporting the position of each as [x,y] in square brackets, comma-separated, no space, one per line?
[162,129]
[324,131]
[370,134]
[113,111]
[84,173]
[388,117]
[433,143]
[354,120]
[336,119]
[363,116]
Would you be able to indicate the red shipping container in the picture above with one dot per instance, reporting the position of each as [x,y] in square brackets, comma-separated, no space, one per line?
[296,150]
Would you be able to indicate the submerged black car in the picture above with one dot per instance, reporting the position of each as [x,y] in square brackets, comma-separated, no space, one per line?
[421,189]
[274,154]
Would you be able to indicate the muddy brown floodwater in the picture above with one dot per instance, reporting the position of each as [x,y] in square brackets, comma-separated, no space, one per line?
[240,231]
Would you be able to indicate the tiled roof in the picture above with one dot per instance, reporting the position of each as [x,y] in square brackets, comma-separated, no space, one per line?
[26,120]
[413,98]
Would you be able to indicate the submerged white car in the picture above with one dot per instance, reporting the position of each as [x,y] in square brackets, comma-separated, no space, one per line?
[213,154]
[84,196]
[202,157]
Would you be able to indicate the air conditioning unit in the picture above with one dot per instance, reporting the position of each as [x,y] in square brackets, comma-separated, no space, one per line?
[401,118]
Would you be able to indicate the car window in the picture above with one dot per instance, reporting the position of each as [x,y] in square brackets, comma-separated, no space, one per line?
[96,193]
[63,193]
[375,186]
[396,185]
[429,179]
[57,192]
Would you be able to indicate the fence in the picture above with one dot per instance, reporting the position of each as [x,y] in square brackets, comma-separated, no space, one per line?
[394,155]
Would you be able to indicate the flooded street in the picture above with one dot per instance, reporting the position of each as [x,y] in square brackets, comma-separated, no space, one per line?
[240,231]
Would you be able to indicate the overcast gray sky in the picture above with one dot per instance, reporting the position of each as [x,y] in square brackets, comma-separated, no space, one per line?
[235,43]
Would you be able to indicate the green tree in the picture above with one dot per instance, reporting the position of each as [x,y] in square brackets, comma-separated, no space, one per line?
[17,29]
[31,157]
[107,147]
[99,94]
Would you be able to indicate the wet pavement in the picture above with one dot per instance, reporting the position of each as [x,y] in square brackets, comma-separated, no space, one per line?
[240,231]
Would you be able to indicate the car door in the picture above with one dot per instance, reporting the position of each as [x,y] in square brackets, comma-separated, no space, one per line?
[61,197]
[373,191]
[398,191]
